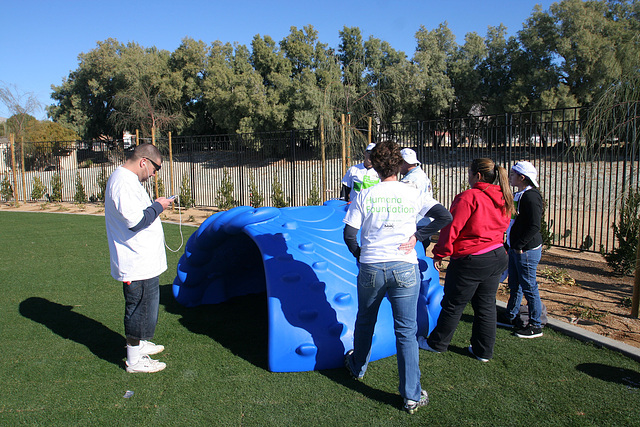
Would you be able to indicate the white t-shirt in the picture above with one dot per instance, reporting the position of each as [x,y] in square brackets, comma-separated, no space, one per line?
[134,255]
[417,177]
[386,217]
[358,178]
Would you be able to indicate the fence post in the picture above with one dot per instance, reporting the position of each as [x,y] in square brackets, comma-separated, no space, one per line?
[635,301]
[323,160]
[171,171]
[349,138]
[24,184]
[13,168]
[344,150]
[292,184]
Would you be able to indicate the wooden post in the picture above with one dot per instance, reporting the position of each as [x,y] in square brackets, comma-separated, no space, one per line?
[24,184]
[635,300]
[369,132]
[137,137]
[348,139]
[153,142]
[324,160]
[13,168]
[171,170]
[344,151]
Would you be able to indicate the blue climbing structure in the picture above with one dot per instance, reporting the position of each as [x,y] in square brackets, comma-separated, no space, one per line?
[298,257]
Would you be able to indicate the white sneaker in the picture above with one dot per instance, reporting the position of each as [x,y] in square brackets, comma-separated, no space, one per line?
[147,365]
[148,348]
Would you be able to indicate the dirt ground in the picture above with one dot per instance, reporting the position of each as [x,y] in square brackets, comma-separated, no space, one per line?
[576,287]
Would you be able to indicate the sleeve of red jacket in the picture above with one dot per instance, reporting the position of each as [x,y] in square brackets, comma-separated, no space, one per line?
[461,211]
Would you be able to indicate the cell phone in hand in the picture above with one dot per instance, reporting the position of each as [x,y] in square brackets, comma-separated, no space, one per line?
[172,197]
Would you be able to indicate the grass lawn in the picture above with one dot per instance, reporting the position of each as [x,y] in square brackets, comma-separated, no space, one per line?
[62,349]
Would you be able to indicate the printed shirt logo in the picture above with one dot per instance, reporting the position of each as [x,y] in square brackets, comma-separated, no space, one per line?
[391,205]
[367,181]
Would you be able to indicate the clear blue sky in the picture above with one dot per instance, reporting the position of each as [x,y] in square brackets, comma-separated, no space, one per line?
[40,40]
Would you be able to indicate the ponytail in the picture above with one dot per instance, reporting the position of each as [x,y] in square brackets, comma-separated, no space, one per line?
[492,173]
[507,194]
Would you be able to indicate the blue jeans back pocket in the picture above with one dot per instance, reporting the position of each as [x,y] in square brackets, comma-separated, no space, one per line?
[367,276]
[406,276]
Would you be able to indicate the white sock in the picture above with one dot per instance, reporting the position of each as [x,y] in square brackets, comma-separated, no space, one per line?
[133,354]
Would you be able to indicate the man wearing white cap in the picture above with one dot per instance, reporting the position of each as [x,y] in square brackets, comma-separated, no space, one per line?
[413,173]
[359,177]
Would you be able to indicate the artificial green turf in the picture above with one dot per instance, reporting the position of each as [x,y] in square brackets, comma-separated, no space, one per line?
[62,354]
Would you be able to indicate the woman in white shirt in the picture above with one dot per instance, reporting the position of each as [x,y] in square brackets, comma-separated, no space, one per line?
[386,216]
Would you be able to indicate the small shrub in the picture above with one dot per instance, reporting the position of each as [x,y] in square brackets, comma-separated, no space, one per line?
[559,276]
[80,196]
[622,259]
[314,196]
[38,189]
[6,189]
[545,230]
[255,197]
[277,195]
[185,200]
[159,188]
[626,302]
[434,188]
[86,163]
[224,195]
[56,188]
[582,311]
[102,184]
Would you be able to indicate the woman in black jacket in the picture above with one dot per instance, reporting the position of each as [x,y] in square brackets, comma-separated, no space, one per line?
[525,249]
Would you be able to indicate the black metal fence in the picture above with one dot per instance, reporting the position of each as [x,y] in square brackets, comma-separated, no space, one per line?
[582,181]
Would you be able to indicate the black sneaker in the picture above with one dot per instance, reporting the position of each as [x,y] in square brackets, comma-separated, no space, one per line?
[504,321]
[529,332]
[347,364]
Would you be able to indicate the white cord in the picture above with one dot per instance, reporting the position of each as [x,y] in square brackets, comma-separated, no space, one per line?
[181,236]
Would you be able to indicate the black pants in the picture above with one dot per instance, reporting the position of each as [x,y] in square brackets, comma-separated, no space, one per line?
[473,278]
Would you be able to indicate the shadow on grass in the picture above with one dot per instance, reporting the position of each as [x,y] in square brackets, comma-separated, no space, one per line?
[612,374]
[240,325]
[62,320]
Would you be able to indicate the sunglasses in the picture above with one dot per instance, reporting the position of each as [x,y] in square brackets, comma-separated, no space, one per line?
[155,165]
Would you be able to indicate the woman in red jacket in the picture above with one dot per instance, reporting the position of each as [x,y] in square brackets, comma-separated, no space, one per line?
[474,241]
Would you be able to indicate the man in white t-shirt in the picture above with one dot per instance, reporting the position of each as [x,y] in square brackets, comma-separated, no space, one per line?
[136,249]
[359,177]
[414,175]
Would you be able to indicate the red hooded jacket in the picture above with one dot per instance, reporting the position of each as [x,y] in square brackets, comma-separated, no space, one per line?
[479,222]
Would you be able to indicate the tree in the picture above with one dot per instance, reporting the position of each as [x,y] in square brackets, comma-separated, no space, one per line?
[591,41]
[85,98]
[188,65]
[21,105]
[432,89]
[464,72]
[149,100]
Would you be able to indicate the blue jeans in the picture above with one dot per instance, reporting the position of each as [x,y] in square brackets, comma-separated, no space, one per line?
[522,281]
[399,281]
[141,304]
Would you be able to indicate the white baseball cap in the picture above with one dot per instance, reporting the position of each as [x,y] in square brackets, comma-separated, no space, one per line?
[371,146]
[409,156]
[528,170]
